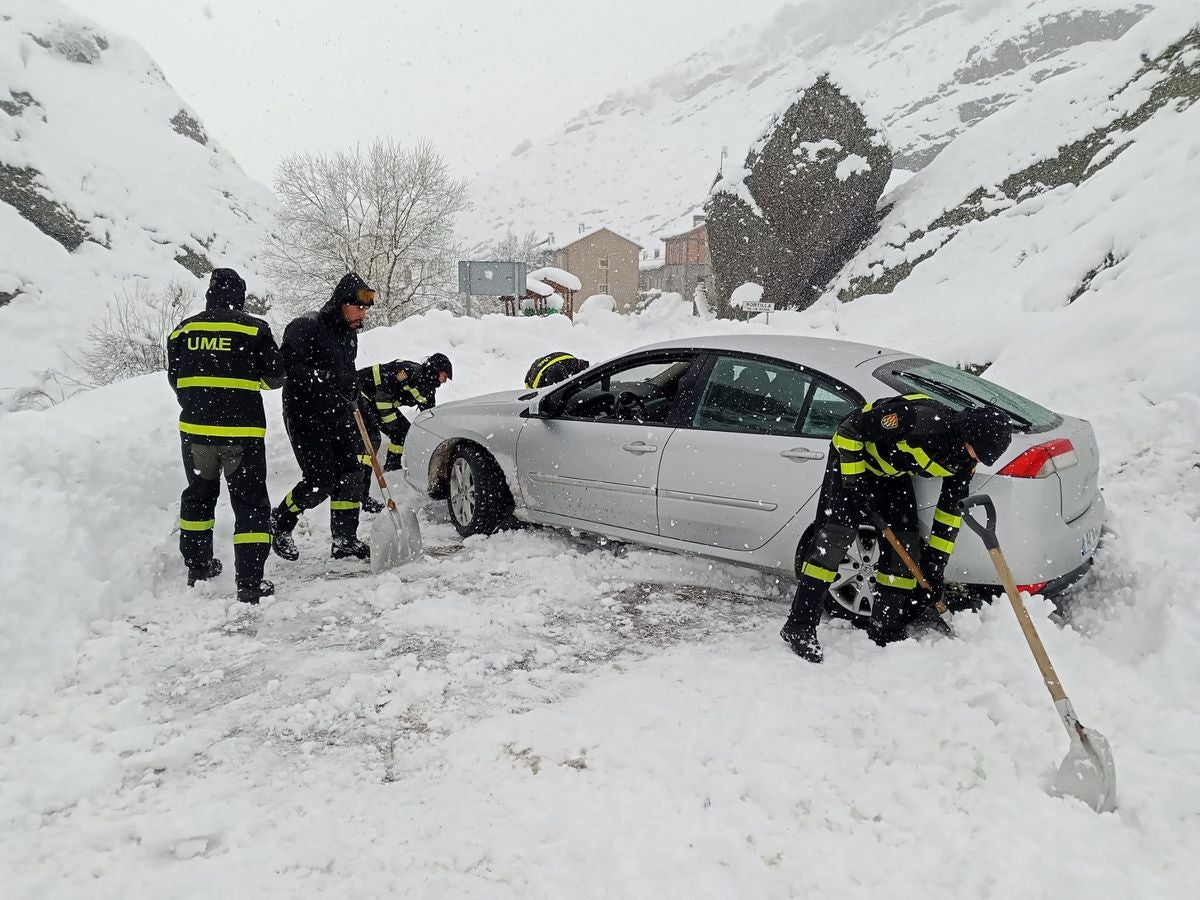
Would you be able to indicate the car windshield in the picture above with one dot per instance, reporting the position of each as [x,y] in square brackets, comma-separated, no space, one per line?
[959,389]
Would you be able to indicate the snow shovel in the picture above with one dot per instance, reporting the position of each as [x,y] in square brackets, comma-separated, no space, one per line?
[938,603]
[1088,772]
[395,537]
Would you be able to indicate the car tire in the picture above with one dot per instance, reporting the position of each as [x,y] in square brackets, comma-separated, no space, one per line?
[477,498]
[852,595]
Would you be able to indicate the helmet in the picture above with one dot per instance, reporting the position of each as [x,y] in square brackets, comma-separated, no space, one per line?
[439,362]
[987,429]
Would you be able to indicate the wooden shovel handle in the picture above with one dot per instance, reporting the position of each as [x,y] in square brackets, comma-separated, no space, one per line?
[1053,685]
[366,439]
[938,603]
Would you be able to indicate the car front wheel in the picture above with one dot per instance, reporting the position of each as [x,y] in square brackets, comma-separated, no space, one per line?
[478,498]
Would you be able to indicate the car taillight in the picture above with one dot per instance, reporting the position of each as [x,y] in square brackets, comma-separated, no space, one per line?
[1043,460]
[1032,589]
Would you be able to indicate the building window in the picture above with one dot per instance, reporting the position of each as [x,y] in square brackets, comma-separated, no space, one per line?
[604,262]
[604,287]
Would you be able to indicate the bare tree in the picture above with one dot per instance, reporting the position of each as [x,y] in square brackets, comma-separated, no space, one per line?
[528,248]
[386,212]
[132,338]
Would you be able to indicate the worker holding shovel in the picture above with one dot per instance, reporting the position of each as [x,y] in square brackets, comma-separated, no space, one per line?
[874,450]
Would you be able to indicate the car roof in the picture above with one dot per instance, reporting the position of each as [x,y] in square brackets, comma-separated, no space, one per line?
[819,353]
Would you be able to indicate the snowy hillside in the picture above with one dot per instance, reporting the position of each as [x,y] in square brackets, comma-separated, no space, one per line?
[531,715]
[106,179]
[928,70]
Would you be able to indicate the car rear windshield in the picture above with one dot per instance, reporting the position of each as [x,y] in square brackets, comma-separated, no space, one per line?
[956,388]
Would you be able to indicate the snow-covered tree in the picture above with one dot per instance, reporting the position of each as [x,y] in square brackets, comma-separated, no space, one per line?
[528,248]
[132,339]
[386,212]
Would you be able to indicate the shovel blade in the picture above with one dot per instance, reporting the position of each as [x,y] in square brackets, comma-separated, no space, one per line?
[395,539]
[1088,773]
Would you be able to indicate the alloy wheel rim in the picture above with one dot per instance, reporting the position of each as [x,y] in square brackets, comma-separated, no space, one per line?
[854,587]
[462,492]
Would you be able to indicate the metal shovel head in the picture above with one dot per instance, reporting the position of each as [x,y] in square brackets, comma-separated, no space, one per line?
[1088,773]
[395,539]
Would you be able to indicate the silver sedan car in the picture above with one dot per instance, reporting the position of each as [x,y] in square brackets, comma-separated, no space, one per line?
[717,446]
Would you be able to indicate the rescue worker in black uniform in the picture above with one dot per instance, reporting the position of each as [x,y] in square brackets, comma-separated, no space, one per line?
[383,389]
[872,453]
[553,368]
[218,361]
[318,410]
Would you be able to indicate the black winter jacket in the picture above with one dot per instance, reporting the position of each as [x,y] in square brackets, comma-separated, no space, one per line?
[217,362]
[318,352]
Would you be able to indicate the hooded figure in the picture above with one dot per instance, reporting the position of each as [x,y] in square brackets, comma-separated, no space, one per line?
[319,398]
[874,452]
[218,361]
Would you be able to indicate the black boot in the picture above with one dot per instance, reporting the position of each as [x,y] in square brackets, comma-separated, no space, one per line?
[350,548]
[803,640]
[252,591]
[210,569]
[281,541]
[371,505]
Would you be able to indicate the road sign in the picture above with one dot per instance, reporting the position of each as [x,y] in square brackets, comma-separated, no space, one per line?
[759,306]
[491,279]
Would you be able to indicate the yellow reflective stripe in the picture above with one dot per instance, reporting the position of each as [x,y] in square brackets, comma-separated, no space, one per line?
[923,460]
[937,471]
[251,330]
[916,396]
[416,394]
[537,379]
[241,384]
[871,468]
[942,544]
[375,374]
[868,407]
[845,443]
[384,404]
[946,519]
[895,581]
[395,448]
[223,430]
[188,525]
[364,459]
[391,417]
[884,467]
[252,537]
[854,468]
[344,504]
[290,503]
[818,573]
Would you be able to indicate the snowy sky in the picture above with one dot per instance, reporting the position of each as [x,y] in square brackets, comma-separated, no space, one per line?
[475,76]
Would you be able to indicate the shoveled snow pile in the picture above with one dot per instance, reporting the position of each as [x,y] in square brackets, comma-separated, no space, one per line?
[533,715]
[107,181]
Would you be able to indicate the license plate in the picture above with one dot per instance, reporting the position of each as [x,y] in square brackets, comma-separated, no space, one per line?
[1088,543]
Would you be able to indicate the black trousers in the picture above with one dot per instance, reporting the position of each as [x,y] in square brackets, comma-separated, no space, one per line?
[838,521]
[395,450]
[245,469]
[329,463]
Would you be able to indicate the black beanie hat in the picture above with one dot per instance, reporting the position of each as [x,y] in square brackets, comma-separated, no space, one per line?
[352,289]
[226,290]
[439,362]
[987,429]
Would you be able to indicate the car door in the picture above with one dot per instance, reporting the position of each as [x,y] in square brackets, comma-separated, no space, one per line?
[753,453]
[592,453]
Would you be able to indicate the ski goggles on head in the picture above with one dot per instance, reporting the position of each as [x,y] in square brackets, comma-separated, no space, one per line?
[364,297]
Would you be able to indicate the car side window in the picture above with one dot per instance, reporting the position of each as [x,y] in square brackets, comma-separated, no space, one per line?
[753,396]
[829,406]
[644,391]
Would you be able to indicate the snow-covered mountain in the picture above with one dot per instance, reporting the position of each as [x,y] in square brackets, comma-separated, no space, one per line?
[927,70]
[107,178]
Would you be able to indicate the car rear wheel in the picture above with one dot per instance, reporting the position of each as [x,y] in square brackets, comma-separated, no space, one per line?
[852,594]
[478,498]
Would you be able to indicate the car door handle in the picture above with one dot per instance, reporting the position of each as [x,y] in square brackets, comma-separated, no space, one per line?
[801,454]
[639,447]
